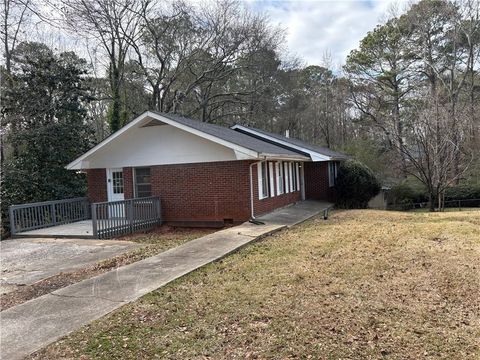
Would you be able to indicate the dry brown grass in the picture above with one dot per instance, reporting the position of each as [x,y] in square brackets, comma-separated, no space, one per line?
[363,285]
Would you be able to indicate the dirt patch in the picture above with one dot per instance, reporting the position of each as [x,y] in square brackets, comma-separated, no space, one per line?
[362,285]
[161,239]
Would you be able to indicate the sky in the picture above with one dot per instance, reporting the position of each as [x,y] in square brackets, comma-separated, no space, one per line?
[313,28]
[318,27]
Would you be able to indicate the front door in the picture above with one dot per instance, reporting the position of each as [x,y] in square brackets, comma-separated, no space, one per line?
[115,192]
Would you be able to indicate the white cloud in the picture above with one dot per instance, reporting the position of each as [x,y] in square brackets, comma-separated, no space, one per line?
[316,27]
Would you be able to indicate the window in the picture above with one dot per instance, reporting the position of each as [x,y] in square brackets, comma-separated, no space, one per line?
[297,176]
[286,178]
[262,180]
[117,182]
[332,173]
[292,177]
[143,184]
[279,172]
[272,179]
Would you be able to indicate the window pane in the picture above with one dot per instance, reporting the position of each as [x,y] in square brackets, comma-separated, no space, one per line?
[286,177]
[331,174]
[143,182]
[279,172]
[117,182]
[264,179]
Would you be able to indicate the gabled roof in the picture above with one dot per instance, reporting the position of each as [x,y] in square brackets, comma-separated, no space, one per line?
[231,136]
[246,147]
[317,153]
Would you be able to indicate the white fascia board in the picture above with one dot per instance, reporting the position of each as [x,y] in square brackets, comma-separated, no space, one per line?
[243,156]
[239,150]
[315,156]
[77,163]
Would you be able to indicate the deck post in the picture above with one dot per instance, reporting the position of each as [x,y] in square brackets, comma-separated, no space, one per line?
[159,210]
[94,220]
[54,214]
[130,215]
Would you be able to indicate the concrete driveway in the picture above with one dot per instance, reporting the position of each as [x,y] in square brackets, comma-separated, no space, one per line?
[26,261]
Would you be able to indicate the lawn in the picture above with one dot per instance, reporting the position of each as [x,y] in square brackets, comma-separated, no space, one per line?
[362,285]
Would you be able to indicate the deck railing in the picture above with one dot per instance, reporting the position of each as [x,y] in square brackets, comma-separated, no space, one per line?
[116,218]
[109,219]
[44,214]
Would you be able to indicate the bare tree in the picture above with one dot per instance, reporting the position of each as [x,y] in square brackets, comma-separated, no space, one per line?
[111,23]
[13,14]
[433,148]
[190,55]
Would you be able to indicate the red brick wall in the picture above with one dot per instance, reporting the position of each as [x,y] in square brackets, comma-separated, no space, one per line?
[205,193]
[262,206]
[316,182]
[199,194]
[97,185]
[128,182]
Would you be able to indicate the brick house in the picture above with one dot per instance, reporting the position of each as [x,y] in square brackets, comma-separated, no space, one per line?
[204,174]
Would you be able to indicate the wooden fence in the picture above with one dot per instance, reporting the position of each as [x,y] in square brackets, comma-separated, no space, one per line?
[116,218]
[39,215]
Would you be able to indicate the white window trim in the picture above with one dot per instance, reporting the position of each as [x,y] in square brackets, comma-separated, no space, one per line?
[271,176]
[279,174]
[261,195]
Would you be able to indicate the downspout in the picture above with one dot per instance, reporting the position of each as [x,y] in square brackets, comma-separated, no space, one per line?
[252,211]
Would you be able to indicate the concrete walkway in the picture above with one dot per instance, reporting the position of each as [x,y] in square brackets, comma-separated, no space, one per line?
[28,327]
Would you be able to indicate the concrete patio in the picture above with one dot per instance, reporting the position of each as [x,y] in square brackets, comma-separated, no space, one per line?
[30,326]
[79,230]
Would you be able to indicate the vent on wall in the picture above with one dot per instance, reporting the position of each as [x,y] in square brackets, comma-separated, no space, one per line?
[154,123]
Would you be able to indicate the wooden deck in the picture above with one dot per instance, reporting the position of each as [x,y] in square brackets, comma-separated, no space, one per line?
[80,229]
[77,218]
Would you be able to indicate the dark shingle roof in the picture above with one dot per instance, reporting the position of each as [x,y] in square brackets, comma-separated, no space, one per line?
[232,136]
[319,149]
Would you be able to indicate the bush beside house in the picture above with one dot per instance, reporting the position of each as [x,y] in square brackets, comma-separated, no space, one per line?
[356,184]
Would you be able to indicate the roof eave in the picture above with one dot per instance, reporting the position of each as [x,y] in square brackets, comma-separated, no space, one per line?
[315,156]
[284,157]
